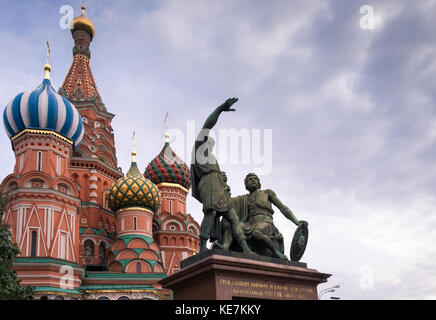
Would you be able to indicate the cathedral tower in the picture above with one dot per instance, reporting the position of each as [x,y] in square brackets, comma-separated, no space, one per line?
[44,203]
[134,199]
[94,162]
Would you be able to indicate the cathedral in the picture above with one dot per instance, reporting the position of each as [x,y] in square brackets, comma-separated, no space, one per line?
[85,229]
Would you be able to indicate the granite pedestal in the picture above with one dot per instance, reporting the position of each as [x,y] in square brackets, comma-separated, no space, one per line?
[224,275]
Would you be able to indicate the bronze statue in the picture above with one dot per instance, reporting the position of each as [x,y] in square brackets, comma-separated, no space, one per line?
[255,213]
[209,187]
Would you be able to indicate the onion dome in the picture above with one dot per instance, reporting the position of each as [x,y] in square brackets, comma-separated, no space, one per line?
[167,167]
[133,190]
[42,109]
[83,23]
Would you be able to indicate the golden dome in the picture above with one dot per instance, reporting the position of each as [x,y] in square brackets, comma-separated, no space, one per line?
[83,23]
[134,190]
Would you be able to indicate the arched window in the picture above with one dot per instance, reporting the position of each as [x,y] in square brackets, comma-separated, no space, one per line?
[58,165]
[123,298]
[63,253]
[102,253]
[21,161]
[64,188]
[138,267]
[39,161]
[89,247]
[105,194]
[134,223]
[171,206]
[33,243]
[88,253]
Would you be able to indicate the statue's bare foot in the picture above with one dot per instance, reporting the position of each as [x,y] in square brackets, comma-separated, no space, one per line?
[281,255]
[220,246]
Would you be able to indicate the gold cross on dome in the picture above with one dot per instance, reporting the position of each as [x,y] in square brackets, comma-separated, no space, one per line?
[133,141]
[48,51]
[166,128]
[166,122]
[133,147]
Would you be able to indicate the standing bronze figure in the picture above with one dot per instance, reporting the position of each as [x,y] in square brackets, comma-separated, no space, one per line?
[209,187]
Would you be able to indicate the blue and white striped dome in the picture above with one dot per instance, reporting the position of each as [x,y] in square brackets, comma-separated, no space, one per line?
[43,109]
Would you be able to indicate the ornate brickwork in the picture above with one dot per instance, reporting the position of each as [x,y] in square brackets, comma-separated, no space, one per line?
[71,210]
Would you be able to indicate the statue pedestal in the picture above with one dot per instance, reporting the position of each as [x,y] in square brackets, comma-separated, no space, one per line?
[224,275]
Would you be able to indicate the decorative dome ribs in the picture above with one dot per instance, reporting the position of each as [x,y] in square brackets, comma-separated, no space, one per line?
[133,190]
[44,110]
[168,167]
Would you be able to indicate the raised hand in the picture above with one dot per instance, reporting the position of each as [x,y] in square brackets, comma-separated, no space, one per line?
[226,106]
[213,117]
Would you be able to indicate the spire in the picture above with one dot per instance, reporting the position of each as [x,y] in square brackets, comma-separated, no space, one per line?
[133,147]
[80,88]
[79,84]
[47,66]
[133,170]
[166,135]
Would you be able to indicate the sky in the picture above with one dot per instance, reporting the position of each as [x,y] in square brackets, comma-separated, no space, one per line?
[338,106]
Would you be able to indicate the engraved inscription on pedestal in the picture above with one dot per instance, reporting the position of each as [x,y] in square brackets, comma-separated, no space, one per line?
[263,289]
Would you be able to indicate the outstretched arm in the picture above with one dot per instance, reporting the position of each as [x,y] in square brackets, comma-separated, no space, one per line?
[213,118]
[284,209]
[207,126]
